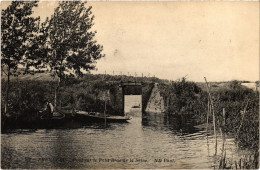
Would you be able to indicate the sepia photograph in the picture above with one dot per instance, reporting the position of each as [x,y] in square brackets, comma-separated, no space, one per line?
[130,84]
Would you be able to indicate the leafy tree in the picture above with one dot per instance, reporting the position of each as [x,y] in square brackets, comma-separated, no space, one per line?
[71,43]
[18,30]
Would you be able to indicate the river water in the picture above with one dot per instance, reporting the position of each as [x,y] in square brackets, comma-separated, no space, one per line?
[147,141]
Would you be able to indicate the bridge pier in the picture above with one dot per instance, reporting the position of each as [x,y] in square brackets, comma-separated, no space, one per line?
[117,99]
[156,102]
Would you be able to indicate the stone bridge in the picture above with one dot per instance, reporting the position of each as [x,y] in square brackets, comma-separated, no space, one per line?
[152,101]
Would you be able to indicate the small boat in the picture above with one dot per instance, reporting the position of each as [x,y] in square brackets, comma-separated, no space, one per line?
[99,117]
[56,116]
[55,121]
[138,106]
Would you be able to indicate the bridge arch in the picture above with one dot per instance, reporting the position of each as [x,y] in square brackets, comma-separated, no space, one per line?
[146,90]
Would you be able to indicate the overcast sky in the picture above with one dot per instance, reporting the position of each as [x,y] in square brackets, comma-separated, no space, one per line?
[219,40]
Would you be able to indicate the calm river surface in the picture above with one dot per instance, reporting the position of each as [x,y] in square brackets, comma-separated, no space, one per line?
[137,144]
[142,141]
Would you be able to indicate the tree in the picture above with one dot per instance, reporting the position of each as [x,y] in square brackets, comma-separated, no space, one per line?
[71,44]
[18,29]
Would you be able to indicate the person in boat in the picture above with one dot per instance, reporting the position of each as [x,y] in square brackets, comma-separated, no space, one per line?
[49,109]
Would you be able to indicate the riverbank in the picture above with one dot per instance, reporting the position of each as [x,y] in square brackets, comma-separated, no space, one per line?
[240,104]
[236,112]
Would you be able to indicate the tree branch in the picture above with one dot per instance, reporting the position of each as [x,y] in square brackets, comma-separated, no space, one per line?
[4,72]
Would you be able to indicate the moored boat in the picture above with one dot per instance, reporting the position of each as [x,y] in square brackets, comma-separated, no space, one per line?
[56,116]
[100,117]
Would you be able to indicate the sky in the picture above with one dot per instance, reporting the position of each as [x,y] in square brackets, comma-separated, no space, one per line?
[170,40]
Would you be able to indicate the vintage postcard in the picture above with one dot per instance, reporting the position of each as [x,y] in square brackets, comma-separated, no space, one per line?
[129,85]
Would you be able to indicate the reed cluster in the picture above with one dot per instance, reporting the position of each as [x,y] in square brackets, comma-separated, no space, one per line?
[230,107]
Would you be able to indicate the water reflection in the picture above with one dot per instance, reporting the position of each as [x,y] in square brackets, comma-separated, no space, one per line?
[145,139]
[177,124]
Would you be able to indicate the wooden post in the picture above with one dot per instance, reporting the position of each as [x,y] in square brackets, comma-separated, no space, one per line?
[223,132]
[123,100]
[208,116]
[209,112]
[224,117]
[56,91]
[244,112]
[213,112]
[105,112]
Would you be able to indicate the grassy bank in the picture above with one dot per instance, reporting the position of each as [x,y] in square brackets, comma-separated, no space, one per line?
[187,98]
[241,118]
[28,92]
